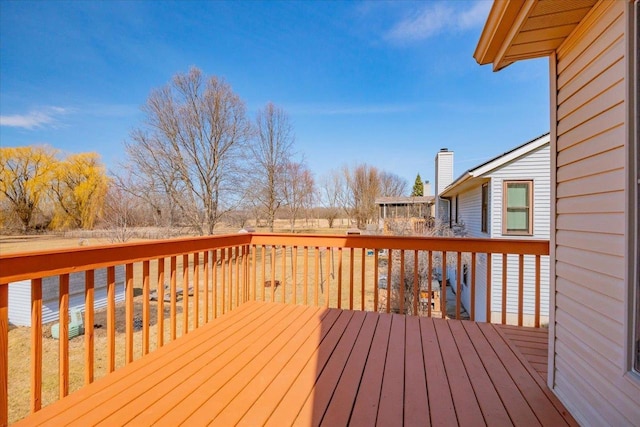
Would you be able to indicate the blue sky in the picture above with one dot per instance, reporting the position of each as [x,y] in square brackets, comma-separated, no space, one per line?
[386,83]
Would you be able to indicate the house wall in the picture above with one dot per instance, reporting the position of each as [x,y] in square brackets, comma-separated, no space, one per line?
[20,296]
[534,166]
[590,290]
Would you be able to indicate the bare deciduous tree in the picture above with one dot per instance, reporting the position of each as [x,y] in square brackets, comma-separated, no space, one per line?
[297,188]
[331,195]
[190,148]
[271,151]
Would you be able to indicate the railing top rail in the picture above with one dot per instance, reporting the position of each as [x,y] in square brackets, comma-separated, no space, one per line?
[452,244]
[28,265]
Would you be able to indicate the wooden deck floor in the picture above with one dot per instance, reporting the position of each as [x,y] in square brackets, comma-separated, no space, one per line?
[280,365]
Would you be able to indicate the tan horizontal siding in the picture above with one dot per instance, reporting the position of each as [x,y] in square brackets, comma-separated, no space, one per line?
[593,106]
[592,261]
[594,184]
[605,162]
[601,123]
[596,242]
[593,280]
[609,223]
[601,143]
[591,203]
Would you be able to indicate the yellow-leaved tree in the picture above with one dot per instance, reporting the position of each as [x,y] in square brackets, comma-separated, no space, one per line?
[25,175]
[79,190]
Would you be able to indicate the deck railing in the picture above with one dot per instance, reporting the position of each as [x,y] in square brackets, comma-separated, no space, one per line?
[218,273]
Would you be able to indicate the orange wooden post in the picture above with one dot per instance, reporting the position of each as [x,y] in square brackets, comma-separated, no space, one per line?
[294,273]
[339,277]
[214,284]
[504,289]
[63,356]
[416,283]
[351,290]
[537,293]
[520,289]
[237,265]
[362,277]
[443,286]
[173,290]
[472,314]
[145,307]
[160,291]
[205,269]
[4,354]
[389,281]
[36,345]
[185,294]
[402,282]
[111,318]
[458,285]
[375,280]
[196,290]
[488,302]
[129,313]
[89,349]
[230,261]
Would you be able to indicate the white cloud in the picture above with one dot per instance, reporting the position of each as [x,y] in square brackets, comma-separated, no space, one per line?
[435,18]
[34,119]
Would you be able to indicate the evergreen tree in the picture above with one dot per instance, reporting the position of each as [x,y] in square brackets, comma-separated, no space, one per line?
[418,188]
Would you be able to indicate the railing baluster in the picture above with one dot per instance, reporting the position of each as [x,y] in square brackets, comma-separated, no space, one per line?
[351,278]
[223,280]
[520,288]
[254,267]
[430,285]
[89,349]
[504,289]
[145,307]
[294,274]
[237,267]
[489,274]
[339,277]
[472,314]
[443,286]
[327,274]
[317,274]
[230,265]
[537,293]
[214,284]
[196,290]
[401,293]
[458,285]
[111,318]
[63,356]
[389,280]
[245,273]
[305,277]
[284,273]
[129,313]
[160,291]
[375,280]
[416,283]
[274,252]
[4,354]
[264,272]
[205,268]
[174,297]
[36,345]
[362,278]
[185,294]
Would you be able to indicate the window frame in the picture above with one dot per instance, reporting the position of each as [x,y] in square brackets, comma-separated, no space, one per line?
[484,207]
[505,186]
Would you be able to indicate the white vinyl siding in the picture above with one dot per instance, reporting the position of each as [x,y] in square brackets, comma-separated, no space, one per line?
[590,292]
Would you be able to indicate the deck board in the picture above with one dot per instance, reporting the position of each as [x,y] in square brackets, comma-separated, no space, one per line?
[276,364]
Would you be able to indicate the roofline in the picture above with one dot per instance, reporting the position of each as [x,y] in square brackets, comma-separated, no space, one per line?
[496,162]
[505,20]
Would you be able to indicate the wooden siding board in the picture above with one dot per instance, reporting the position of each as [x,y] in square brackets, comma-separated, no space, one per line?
[591,261]
[606,223]
[603,142]
[416,406]
[593,280]
[546,21]
[601,123]
[604,183]
[548,7]
[606,244]
[591,203]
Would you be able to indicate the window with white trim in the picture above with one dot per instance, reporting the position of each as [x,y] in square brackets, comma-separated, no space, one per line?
[518,208]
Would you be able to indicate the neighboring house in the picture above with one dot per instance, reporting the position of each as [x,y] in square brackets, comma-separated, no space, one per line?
[20,295]
[410,213]
[505,197]
[594,331]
